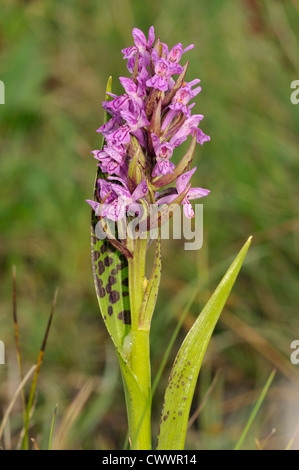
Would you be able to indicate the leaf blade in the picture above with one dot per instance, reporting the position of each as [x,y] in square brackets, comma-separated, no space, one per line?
[110,273]
[183,376]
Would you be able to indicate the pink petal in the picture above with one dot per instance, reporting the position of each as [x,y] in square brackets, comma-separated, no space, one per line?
[95,205]
[197,193]
[139,39]
[183,180]
[188,210]
[129,86]
[151,36]
[140,191]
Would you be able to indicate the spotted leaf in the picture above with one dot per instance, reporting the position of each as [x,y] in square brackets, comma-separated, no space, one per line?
[110,271]
[185,370]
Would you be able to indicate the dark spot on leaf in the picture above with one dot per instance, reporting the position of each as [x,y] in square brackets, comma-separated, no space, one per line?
[125,316]
[101,267]
[125,294]
[96,255]
[125,282]
[103,248]
[102,292]
[108,288]
[113,272]
[110,310]
[112,280]
[108,261]
[114,297]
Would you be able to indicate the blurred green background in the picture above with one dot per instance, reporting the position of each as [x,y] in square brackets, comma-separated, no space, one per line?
[55,57]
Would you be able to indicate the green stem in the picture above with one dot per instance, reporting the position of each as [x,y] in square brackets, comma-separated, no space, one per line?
[139,413]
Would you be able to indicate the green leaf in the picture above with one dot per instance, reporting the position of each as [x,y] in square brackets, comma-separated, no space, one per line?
[110,272]
[137,403]
[184,373]
[151,291]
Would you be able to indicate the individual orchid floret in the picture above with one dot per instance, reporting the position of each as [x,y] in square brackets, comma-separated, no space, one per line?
[133,125]
[193,193]
[162,75]
[105,193]
[201,137]
[177,51]
[141,47]
[189,127]
[114,107]
[180,101]
[111,161]
[140,40]
[117,209]
[163,153]
[110,126]
[183,96]
[135,91]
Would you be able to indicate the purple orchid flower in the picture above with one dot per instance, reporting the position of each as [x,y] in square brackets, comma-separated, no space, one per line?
[110,126]
[190,126]
[117,209]
[134,91]
[183,96]
[142,46]
[176,52]
[104,191]
[180,101]
[193,193]
[136,112]
[163,153]
[135,120]
[111,160]
[162,75]
[114,107]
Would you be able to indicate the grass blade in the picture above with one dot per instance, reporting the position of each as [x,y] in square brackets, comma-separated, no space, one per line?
[255,410]
[52,428]
[14,398]
[25,444]
[17,336]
